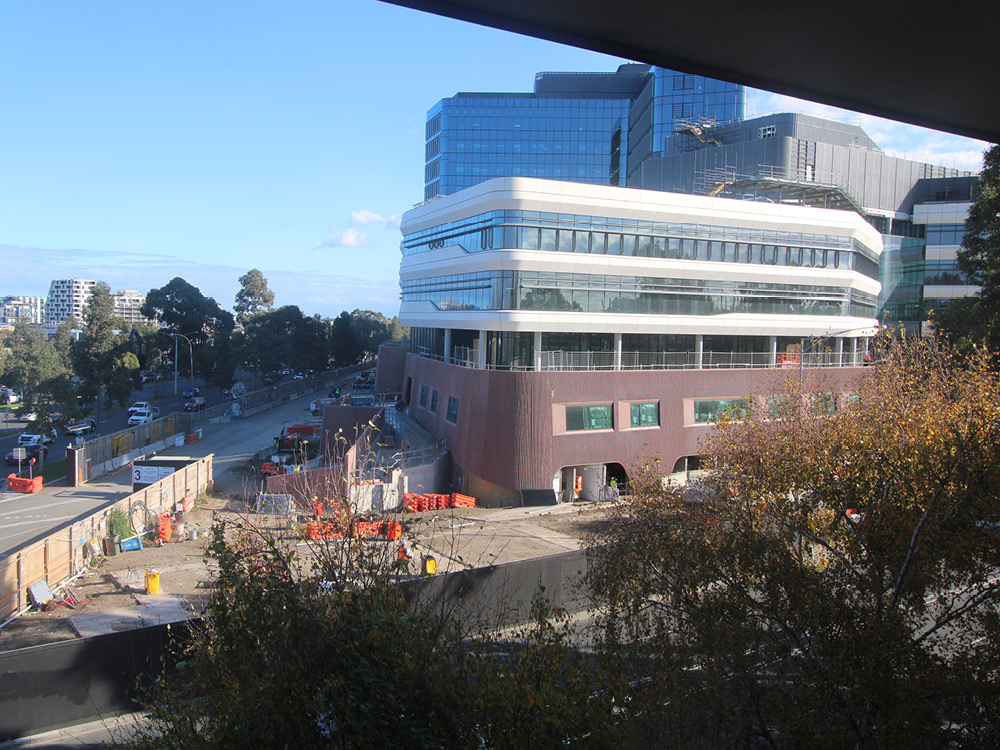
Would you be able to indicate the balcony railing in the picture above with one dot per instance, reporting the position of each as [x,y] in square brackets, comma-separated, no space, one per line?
[600,360]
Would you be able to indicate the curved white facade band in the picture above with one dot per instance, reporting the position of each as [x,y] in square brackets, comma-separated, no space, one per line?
[554,264]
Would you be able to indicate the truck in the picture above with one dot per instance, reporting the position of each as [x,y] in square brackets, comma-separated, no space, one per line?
[195,404]
[143,416]
[81,427]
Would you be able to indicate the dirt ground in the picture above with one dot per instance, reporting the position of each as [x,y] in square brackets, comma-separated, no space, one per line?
[118,585]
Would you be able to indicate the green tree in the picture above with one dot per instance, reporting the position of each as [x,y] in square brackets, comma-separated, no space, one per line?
[334,654]
[182,308]
[397,331]
[832,582]
[35,367]
[99,356]
[371,329]
[977,318]
[63,339]
[345,348]
[253,296]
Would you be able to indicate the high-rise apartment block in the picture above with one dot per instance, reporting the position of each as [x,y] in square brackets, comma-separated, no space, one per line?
[68,297]
[14,309]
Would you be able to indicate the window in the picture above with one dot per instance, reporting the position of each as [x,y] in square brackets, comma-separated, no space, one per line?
[645,415]
[594,417]
[768,131]
[824,403]
[779,407]
[423,396]
[710,411]
[434,400]
[452,415]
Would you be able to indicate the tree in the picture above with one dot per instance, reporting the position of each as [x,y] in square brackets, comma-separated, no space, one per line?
[333,654]
[345,349]
[182,308]
[977,318]
[371,329]
[101,356]
[36,368]
[397,331]
[832,582]
[253,297]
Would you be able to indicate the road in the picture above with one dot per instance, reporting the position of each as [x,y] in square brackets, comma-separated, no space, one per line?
[114,423]
[27,517]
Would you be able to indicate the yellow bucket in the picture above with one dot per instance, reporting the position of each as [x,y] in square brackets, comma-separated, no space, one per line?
[152,581]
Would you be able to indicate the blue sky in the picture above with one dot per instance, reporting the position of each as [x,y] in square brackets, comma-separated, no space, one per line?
[143,141]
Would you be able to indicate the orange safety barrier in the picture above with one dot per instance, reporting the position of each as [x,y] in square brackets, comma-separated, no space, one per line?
[20,484]
[430,501]
[191,437]
[462,501]
[186,504]
[165,527]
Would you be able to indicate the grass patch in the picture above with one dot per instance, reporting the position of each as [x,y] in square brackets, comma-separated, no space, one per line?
[54,470]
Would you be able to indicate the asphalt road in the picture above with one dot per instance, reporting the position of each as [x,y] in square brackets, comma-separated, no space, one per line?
[26,517]
[161,396]
[23,517]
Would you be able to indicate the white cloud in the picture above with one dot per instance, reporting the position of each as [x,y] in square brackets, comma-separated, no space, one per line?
[349,237]
[364,217]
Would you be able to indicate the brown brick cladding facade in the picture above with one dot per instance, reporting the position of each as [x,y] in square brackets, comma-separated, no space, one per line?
[509,430]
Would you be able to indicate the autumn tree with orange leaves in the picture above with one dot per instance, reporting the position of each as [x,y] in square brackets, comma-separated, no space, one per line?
[834,579]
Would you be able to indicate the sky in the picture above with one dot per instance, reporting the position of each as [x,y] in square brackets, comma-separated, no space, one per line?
[143,141]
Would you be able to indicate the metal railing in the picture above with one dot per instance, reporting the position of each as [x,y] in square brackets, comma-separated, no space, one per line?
[558,360]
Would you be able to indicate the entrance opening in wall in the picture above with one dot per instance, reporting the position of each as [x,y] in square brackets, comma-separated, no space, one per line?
[406,390]
[687,464]
[617,478]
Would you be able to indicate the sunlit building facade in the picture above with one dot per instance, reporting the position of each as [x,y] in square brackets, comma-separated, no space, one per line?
[559,330]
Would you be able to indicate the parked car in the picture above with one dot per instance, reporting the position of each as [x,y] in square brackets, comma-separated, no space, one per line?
[195,404]
[143,416]
[81,427]
[30,452]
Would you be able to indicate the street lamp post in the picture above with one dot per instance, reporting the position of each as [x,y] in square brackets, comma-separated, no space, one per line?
[175,336]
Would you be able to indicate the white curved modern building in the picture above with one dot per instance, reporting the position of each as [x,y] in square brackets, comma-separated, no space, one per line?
[559,328]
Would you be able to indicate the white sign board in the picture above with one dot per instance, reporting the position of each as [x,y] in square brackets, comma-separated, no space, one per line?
[150,474]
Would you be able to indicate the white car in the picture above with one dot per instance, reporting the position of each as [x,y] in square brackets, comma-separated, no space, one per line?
[139,406]
[143,416]
[36,438]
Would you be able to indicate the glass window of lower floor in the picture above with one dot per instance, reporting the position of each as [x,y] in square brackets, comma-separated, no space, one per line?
[644,414]
[589,417]
[711,411]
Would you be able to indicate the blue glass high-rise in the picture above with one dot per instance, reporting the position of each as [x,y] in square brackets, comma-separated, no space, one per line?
[573,126]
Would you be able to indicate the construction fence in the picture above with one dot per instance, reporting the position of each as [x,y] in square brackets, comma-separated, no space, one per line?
[66,552]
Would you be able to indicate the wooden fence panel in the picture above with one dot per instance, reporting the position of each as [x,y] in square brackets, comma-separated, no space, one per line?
[60,556]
